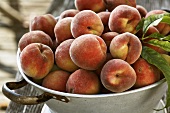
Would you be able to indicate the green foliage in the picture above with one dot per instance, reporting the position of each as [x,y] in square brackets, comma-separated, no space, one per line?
[158,40]
[156,59]
[153,20]
[162,44]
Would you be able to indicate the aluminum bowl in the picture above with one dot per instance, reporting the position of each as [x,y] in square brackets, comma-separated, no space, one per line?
[141,100]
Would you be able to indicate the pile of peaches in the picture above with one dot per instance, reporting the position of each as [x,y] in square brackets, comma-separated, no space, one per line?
[94,48]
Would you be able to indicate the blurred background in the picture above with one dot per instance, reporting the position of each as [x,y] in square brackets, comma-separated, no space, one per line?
[14,22]
[15,16]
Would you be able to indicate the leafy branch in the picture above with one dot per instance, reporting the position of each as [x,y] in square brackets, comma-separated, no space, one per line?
[158,40]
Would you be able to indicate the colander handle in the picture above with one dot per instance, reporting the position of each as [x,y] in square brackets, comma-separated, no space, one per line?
[28,100]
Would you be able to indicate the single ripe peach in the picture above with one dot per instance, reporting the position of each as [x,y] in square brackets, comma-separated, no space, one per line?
[62,29]
[124,18]
[37,60]
[86,22]
[56,80]
[146,73]
[44,23]
[117,75]
[88,51]
[62,56]
[126,46]
[83,82]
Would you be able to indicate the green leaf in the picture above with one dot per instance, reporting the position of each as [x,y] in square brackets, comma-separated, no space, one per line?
[166,38]
[162,44]
[156,59]
[154,20]
[158,36]
[140,24]
[155,35]
[166,18]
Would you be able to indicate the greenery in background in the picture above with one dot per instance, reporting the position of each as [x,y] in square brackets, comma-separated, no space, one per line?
[159,40]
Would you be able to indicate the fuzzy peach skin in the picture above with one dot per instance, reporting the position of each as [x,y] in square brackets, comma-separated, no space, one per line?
[112,4]
[62,29]
[104,15]
[56,80]
[44,23]
[37,60]
[86,22]
[88,51]
[146,73]
[34,37]
[162,27]
[83,82]
[126,46]
[124,18]
[68,13]
[142,10]
[62,56]
[108,36]
[117,75]
[94,5]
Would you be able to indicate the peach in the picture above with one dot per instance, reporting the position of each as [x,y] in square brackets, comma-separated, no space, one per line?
[56,80]
[104,15]
[126,46]
[112,4]
[83,82]
[162,27]
[44,23]
[68,13]
[62,56]
[88,51]
[86,22]
[62,29]
[146,73]
[34,37]
[94,5]
[108,36]
[117,75]
[36,60]
[142,10]
[124,18]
